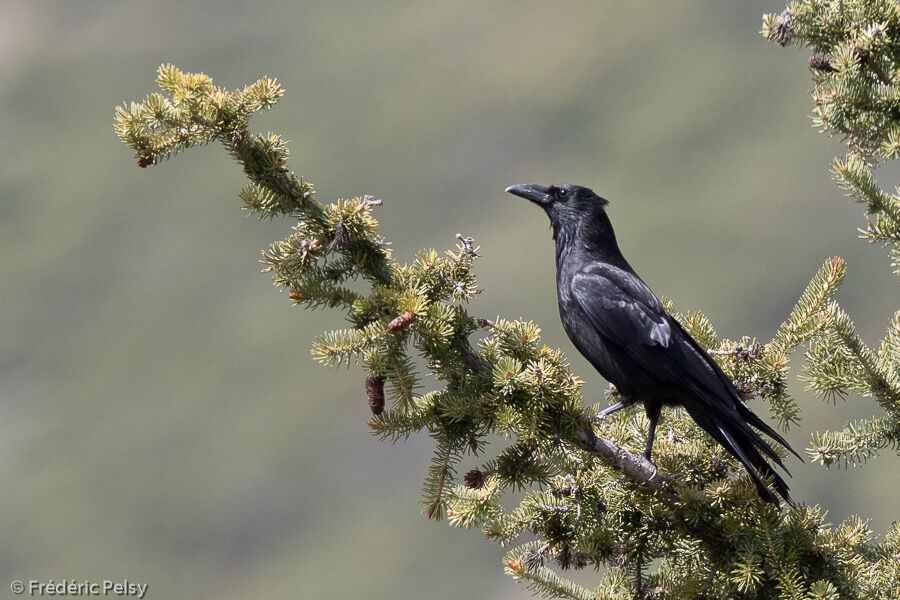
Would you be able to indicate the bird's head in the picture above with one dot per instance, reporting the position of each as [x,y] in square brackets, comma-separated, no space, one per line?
[573,210]
[562,203]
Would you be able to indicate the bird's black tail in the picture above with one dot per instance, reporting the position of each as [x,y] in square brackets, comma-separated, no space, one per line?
[734,433]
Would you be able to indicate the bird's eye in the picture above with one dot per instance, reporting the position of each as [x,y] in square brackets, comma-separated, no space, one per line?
[562,193]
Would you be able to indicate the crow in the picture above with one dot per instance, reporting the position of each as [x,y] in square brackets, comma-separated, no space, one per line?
[622,329]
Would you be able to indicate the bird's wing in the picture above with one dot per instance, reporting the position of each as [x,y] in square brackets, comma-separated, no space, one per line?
[621,306]
[623,310]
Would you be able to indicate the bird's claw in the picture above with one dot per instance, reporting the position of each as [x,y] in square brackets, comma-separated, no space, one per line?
[664,478]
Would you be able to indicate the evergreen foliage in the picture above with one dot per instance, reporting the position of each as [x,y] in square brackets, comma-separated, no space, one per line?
[856,71]
[544,477]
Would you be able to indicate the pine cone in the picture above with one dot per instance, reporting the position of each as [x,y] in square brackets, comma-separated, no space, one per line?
[403,321]
[820,63]
[474,479]
[782,34]
[375,392]
[532,559]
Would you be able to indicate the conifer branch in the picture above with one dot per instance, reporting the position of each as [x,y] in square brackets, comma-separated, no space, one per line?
[859,441]
[637,468]
[807,317]
[437,481]
[855,176]
[550,585]
[883,385]
[857,57]
[587,497]
[402,379]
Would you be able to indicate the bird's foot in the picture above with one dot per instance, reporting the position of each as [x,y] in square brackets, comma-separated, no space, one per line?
[663,478]
[601,416]
[655,470]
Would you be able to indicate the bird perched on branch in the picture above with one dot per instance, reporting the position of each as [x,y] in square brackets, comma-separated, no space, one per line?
[621,327]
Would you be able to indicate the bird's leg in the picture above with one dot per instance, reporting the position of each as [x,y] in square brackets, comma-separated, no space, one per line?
[610,410]
[648,449]
[653,415]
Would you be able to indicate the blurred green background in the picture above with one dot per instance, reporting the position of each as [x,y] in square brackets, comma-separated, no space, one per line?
[161,418]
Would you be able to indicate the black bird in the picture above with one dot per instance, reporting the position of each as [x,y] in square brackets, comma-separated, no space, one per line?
[617,323]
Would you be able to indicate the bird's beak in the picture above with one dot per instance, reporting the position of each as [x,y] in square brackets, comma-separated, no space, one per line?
[539,194]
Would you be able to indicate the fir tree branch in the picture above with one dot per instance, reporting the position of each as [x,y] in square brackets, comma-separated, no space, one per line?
[858,442]
[857,55]
[877,382]
[550,585]
[435,485]
[854,175]
[637,468]
[473,361]
[806,318]
[512,386]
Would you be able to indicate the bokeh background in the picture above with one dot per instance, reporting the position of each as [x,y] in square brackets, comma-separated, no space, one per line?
[161,418]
